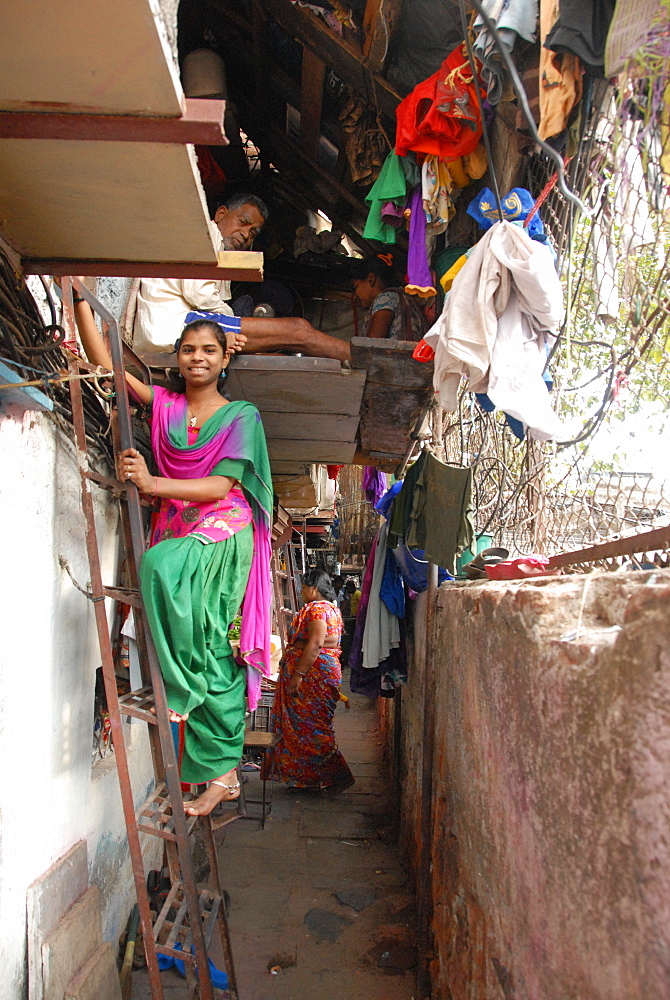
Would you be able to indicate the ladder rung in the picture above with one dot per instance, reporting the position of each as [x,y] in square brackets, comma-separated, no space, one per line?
[287,611]
[125,595]
[105,483]
[179,930]
[155,815]
[223,820]
[138,704]
[161,919]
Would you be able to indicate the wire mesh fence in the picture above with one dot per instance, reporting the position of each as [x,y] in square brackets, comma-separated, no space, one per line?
[610,363]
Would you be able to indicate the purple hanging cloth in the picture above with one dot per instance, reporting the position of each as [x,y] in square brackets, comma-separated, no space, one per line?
[419,278]
[374,484]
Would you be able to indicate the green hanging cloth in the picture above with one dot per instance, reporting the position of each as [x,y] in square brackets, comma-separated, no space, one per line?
[391,185]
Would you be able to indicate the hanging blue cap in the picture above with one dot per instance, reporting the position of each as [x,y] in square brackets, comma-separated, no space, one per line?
[516,207]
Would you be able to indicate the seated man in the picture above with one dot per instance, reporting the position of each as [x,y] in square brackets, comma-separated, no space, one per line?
[163,304]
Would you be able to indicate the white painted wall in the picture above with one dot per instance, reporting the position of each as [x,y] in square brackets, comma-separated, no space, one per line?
[50,795]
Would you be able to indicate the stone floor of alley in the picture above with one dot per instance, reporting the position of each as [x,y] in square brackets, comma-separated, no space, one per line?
[321,907]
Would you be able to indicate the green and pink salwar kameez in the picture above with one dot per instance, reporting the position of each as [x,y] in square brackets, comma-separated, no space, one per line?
[205,561]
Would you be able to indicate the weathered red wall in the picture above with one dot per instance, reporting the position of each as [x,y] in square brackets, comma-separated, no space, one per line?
[551,789]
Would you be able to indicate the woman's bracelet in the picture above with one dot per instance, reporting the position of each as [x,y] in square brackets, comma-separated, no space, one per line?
[77,298]
[301,673]
[155,489]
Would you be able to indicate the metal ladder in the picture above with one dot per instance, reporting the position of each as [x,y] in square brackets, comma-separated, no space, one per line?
[189,916]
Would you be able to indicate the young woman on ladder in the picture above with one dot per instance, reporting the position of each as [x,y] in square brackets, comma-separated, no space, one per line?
[209,551]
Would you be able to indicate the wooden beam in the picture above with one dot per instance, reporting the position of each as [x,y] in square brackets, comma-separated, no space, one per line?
[379,20]
[339,55]
[234,265]
[311,101]
[201,123]
[261,71]
[291,150]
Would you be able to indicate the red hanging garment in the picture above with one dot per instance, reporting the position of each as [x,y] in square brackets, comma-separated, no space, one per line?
[441,115]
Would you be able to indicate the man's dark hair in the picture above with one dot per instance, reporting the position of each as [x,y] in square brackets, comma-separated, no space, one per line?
[238,200]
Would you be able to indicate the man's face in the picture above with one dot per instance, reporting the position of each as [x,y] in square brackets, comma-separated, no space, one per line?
[239,227]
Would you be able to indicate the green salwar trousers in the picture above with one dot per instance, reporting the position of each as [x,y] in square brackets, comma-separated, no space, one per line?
[192,590]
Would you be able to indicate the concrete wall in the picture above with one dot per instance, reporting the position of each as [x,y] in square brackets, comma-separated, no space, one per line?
[551,791]
[51,795]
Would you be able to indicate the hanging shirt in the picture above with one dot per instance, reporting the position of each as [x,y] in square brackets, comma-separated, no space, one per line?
[582,28]
[508,288]
[391,185]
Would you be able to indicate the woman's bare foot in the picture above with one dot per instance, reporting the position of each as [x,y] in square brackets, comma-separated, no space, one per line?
[223,789]
[172,716]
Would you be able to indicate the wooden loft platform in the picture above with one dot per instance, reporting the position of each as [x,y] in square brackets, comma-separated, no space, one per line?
[97,176]
[316,411]
[398,393]
[310,407]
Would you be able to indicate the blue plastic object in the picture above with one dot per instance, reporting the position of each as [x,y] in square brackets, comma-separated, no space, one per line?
[414,568]
[219,979]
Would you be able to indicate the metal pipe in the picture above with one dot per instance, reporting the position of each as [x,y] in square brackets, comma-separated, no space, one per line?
[424,882]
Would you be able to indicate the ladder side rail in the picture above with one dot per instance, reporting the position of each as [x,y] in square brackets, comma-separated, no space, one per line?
[133,507]
[142,635]
[109,678]
[278,602]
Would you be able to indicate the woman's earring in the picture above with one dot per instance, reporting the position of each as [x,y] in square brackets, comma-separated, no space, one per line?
[224,374]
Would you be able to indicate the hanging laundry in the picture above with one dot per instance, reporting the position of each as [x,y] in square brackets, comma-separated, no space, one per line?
[516,206]
[474,165]
[604,258]
[391,185]
[436,187]
[441,516]
[365,143]
[441,115]
[382,628]
[412,170]
[560,84]
[393,215]
[508,288]
[373,484]
[447,278]
[513,19]
[400,515]
[419,278]
[528,65]
[581,28]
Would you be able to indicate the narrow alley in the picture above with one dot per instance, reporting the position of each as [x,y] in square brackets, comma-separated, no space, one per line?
[335,499]
[320,903]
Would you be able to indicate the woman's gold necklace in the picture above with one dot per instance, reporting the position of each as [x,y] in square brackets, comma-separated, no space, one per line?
[194,416]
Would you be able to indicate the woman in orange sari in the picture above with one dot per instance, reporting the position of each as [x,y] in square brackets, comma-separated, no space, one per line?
[308,692]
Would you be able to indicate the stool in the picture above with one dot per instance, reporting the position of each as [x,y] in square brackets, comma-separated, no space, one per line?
[261,742]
